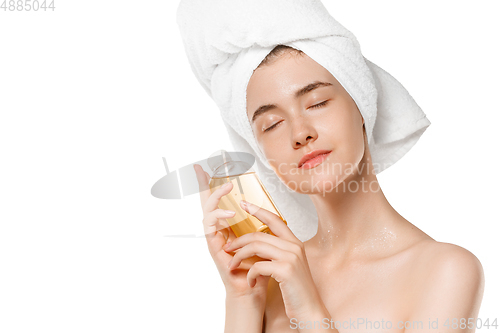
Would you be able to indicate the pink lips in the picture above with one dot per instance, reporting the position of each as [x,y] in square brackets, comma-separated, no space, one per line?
[315,161]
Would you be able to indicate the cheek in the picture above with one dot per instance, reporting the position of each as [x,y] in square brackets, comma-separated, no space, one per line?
[349,141]
[271,148]
[342,132]
[275,158]
[275,155]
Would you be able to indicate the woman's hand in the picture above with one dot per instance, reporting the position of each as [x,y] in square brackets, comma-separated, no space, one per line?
[217,232]
[287,264]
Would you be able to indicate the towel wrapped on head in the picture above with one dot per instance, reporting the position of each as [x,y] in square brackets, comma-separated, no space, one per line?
[226,40]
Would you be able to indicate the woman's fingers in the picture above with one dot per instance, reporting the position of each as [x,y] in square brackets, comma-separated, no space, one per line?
[203,179]
[246,239]
[260,249]
[216,233]
[273,221]
[214,199]
[223,227]
[263,268]
[209,201]
[212,221]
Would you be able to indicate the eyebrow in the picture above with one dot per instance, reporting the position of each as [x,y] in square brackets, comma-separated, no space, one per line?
[301,92]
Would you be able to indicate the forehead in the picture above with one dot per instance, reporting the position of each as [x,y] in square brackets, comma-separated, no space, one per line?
[280,79]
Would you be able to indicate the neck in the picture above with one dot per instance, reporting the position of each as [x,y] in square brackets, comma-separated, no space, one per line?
[355,217]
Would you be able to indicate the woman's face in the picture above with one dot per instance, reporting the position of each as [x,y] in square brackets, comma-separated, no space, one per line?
[324,117]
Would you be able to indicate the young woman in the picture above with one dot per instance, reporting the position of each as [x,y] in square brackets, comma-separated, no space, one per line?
[367,269]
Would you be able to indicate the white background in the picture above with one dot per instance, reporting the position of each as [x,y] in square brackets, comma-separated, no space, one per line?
[94,94]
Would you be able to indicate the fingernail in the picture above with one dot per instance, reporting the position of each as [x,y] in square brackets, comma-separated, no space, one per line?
[244,203]
[226,185]
[229,264]
[229,212]
[227,245]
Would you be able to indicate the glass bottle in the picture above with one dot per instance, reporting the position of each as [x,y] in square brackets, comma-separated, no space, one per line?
[246,186]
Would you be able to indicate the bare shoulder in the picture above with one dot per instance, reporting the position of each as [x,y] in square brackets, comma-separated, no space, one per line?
[448,258]
[447,272]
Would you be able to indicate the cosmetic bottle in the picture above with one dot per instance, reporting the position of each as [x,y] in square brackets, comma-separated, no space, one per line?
[246,186]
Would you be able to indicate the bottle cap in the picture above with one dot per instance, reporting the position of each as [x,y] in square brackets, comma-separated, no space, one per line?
[226,164]
[218,158]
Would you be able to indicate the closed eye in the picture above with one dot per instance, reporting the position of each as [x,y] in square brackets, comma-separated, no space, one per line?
[319,105]
[271,127]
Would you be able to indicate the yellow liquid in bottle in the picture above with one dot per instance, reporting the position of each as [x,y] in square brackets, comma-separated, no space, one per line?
[246,187]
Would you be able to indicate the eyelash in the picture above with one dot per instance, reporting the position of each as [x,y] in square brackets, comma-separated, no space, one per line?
[279,122]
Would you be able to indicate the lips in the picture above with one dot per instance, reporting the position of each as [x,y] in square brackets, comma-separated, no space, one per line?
[312,155]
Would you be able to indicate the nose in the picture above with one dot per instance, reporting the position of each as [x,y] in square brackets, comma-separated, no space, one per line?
[303,132]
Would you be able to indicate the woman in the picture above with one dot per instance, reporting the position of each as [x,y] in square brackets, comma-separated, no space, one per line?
[367,268]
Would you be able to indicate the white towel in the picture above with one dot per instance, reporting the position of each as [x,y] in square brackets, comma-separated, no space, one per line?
[225,40]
